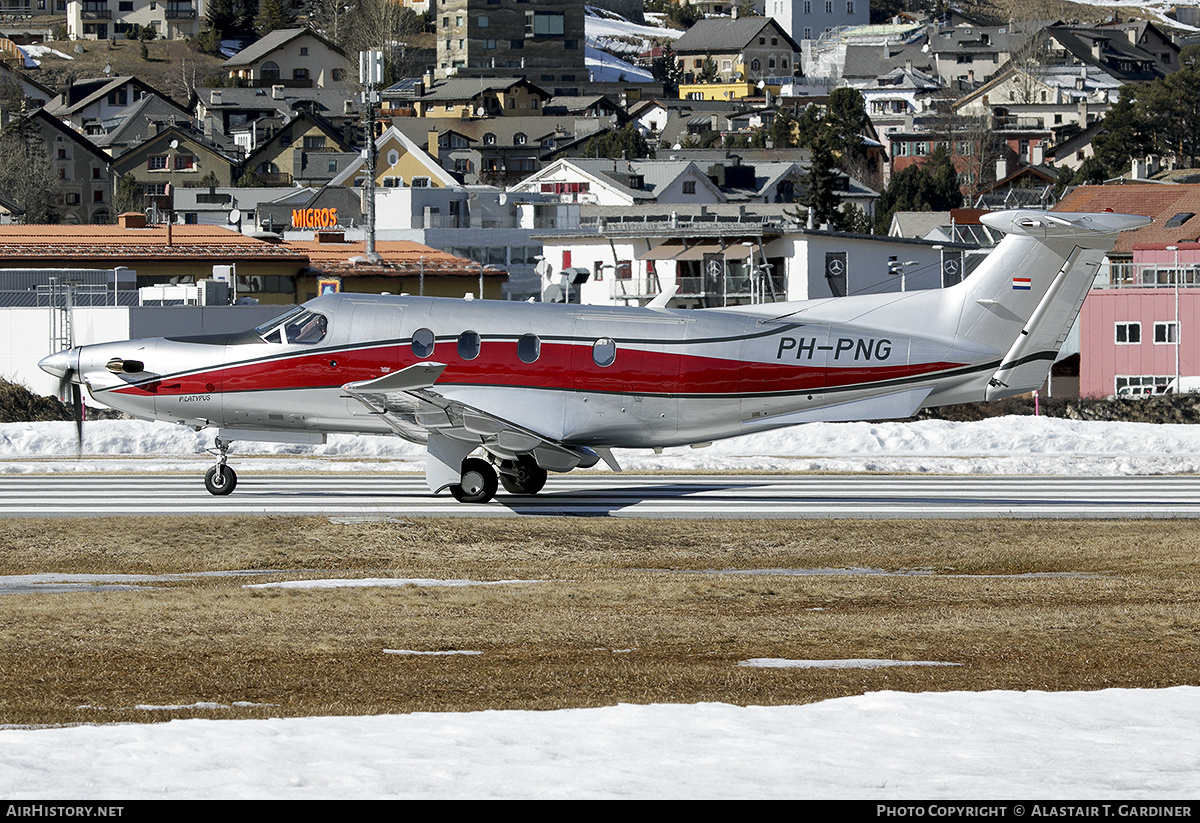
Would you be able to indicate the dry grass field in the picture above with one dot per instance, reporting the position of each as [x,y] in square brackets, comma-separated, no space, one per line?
[619,611]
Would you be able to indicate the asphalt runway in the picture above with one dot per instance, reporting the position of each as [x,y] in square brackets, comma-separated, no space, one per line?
[685,496]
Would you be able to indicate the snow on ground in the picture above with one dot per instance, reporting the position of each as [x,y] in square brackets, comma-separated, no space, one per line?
[613,33]
[604,68]
[1001,445]
[1114,744]
[36,50]
[1120,744]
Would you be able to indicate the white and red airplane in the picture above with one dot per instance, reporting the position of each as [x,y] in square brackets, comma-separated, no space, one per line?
[551,387]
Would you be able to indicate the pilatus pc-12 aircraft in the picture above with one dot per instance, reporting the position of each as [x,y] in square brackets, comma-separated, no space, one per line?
[535,388]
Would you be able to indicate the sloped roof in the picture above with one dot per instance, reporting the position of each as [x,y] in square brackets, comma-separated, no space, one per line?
[863,62]
[1158,201]
[399,257]
[468,88]
[130,125]
[1114,48]
[269,43]
[724,35]
[129,246]
[83,93]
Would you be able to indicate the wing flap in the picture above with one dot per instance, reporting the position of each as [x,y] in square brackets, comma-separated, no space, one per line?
[409,402]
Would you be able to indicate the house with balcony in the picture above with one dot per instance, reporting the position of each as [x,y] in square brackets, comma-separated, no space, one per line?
[892,98]
[1140,324]
[729,254]
[102,19]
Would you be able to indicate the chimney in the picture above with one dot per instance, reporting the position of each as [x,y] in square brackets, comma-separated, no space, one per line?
[131,220]
[214,98]
[1001,168]
[1037,154]
[431,140]
[276,92]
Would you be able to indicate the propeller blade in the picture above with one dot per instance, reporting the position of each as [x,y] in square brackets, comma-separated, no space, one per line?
[77,410]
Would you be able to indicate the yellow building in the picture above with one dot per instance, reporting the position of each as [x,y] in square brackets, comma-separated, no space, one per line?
[720,91]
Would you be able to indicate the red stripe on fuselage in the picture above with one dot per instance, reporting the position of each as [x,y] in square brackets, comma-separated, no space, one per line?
[559,366]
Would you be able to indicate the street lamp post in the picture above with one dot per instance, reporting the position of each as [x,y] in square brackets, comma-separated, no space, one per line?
[1178,331]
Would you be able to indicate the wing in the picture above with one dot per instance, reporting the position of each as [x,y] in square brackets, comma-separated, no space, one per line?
[409,402]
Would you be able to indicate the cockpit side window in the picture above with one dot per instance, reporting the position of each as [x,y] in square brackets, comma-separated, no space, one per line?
[300,325]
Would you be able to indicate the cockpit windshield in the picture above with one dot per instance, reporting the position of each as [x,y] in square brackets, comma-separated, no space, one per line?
[300,325]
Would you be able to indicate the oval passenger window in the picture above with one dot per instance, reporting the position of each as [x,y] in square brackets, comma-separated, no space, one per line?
[423,342]
[468,345]
[604,351]
[529,348]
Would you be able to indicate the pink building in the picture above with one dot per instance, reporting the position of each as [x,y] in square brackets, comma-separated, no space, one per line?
[1129,340]
[1143,327]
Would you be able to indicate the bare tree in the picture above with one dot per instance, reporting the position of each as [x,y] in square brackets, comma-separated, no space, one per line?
[27,175]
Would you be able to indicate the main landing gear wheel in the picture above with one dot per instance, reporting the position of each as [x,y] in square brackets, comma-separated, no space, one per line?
[220,480]
[478,484]
[523,476]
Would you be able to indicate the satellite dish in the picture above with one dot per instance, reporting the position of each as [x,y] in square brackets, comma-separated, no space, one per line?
[174,144]
[235,216]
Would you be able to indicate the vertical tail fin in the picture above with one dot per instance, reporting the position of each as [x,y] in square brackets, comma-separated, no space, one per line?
[1030,289]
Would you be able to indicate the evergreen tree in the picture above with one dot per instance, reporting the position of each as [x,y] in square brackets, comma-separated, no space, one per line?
[665,69]
[820,193]
[782,130]
[1169,109]
[272,15]
[932,186]
[627,143]
[844,123]
[1122,137]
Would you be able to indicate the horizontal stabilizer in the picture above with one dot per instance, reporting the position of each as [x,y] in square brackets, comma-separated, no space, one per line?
[1061,224]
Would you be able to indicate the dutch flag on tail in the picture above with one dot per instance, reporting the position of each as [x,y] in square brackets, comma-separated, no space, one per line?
[1022,283]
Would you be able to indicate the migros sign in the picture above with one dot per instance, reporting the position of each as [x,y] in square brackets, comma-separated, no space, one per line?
[314,218]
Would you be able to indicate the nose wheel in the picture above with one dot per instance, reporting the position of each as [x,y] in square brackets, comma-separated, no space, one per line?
[220,479]
[478,484]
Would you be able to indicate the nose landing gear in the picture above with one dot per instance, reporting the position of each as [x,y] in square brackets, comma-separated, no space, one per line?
[220,479]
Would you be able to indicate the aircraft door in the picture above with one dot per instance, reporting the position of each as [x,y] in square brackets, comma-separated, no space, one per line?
[373,343]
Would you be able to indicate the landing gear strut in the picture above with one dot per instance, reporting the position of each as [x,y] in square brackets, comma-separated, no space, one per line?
[220,479]
[522,476]
[478,484]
